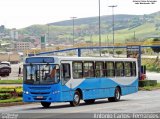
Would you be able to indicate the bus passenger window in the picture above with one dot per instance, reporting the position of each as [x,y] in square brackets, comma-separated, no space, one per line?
[99,69]
[88,69]
[119,69]
[77,70]
[133,69]
[128,71]
[110,72]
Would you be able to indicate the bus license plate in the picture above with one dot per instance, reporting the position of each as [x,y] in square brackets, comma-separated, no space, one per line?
[39,97]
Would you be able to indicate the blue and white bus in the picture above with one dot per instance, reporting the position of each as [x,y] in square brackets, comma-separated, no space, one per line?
[71,79]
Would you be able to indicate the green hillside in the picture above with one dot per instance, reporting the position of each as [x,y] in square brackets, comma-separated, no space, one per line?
[86,29]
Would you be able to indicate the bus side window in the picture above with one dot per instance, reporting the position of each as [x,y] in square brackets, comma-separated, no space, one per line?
[88,69]
[110,69]
[128,67]
[99,69]
[66,75]
[133,68]
[119,69]
[77,70]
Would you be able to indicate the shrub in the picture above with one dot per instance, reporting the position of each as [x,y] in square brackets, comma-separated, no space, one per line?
[19,91]
[147,83]
[6,90]
[13,91]
[4,96]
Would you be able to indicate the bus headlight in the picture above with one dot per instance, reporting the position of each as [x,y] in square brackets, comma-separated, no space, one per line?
[25,92]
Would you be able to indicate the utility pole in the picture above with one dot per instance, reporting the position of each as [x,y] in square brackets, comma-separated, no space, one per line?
[99,27]
[108,43]
[73,18]
[134,36]
[112,6]
[48,35]
[107,40]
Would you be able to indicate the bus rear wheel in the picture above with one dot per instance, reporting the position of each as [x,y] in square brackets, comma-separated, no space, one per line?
[91,101]
[117,95]
[76,99]
[45,104]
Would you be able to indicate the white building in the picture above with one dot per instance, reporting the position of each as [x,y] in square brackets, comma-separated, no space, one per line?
[14,34]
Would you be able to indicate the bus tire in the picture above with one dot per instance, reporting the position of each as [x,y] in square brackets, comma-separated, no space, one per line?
[46,104]
[117,95]
[76,99]
[91,101]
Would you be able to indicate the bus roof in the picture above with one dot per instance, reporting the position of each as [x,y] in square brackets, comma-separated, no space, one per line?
[73,58]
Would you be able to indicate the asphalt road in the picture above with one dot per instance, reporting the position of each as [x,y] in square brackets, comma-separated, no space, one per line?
[140,102]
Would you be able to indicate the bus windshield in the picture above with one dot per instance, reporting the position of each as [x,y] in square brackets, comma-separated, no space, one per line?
[41,73]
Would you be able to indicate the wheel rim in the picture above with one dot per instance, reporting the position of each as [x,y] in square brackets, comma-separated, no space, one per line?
[76,98]
[117,94]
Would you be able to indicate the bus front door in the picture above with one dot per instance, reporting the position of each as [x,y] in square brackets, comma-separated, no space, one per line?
[65,78]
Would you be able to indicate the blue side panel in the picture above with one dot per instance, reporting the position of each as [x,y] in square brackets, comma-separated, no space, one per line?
[67,95]
[130,88]
[108,87]
[98,88]
[94,88]
[91,88]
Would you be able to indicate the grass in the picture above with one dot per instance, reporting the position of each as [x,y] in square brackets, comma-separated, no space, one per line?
[18,99]
[9,87]
[4,89]
[150,88]
[121,35]
[11,81]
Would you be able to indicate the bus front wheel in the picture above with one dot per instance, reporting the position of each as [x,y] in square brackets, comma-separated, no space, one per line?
[76,99]
[117,95]
[45,104]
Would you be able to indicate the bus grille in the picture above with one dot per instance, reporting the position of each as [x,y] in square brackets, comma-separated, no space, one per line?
[40,98]
[39,88]
[40,92]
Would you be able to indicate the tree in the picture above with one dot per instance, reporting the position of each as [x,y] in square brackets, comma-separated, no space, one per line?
[156,49]
[104,51]
[118,52]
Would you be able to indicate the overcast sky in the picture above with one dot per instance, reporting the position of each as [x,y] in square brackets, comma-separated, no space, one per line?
[22,13]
